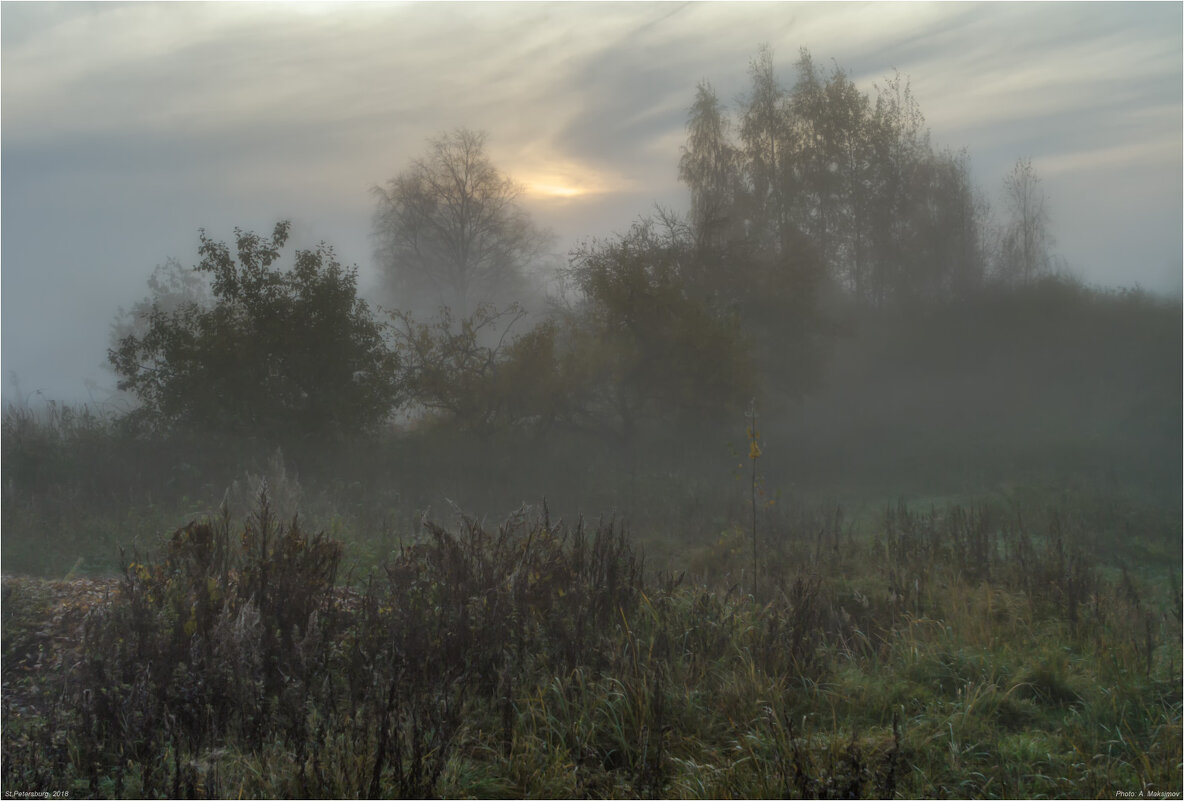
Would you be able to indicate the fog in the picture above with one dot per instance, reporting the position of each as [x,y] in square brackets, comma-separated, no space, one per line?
[591,400]
[127,128]
[922,266]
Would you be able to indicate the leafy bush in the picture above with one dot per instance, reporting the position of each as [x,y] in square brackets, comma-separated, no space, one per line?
[284,356]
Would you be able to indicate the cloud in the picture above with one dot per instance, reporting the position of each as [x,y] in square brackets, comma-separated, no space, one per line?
[128,126]
[1155,153]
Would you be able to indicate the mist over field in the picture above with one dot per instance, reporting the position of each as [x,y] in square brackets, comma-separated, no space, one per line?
[634,410]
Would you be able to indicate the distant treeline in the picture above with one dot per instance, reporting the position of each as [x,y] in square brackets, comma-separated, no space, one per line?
[1050,385]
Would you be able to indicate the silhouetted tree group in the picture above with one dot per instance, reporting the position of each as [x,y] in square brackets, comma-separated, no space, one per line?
[853,179]
[813,191]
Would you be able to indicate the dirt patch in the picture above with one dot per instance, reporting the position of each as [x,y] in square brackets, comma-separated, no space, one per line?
[42,626]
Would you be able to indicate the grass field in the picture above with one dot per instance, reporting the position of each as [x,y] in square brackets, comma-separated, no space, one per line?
[965,651]
[965,582]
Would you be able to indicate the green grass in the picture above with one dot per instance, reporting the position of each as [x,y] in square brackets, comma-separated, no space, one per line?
[541,660]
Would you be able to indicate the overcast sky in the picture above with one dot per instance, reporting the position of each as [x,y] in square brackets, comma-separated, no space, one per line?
[125,128]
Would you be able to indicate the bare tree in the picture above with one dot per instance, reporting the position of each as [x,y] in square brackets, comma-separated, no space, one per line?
[1026,243]
[450,229]
[172,285]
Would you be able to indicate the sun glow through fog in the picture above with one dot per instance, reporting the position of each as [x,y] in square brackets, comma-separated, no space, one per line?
[563,180]
[553,190]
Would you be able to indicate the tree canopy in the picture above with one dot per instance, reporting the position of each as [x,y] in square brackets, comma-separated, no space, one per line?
[660,348]
[284,355]
[850,177]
